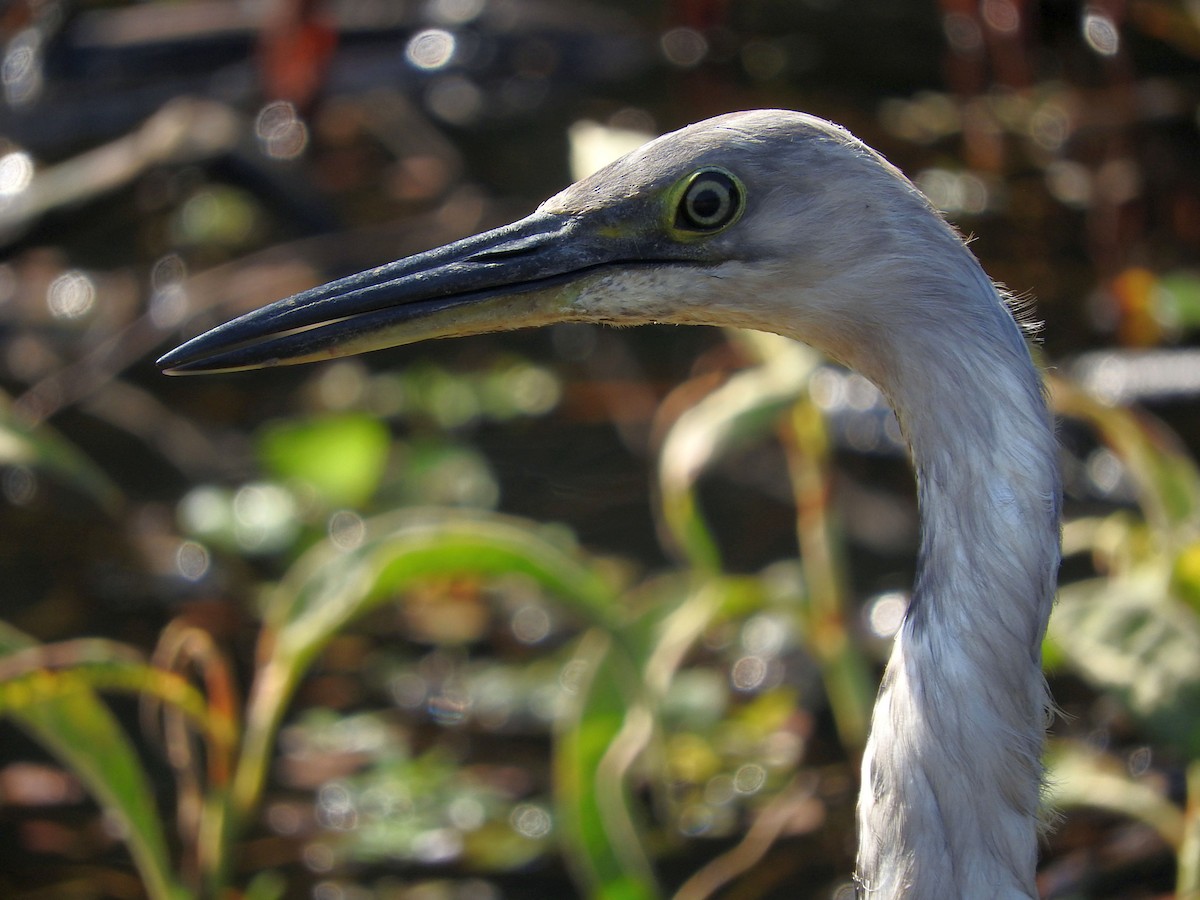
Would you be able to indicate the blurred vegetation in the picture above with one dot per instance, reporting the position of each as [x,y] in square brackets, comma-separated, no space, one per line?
[574,612]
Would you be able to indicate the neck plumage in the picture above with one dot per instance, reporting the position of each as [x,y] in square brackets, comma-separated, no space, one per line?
[952,770]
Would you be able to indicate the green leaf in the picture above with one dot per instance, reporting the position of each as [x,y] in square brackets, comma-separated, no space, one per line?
[742,410]
[60,709]
[1079,777]
[1163,474]
[342,457]
[329,588]
[595,743]
[1127,635]
[620,682]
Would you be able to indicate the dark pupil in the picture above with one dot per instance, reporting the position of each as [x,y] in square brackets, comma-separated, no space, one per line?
[706,203]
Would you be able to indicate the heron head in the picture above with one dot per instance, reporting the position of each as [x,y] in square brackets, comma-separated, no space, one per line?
[768,219]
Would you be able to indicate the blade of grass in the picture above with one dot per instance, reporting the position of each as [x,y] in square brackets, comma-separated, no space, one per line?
[1078,777]
[60,710]
[741,411]
[847,677]
[1164,475]
[329,588]
[1187,886]
[591,795]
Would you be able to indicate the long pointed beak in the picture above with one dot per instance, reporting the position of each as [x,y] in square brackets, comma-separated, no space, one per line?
[520,275]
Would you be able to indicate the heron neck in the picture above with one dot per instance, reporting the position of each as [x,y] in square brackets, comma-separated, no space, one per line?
[952,769]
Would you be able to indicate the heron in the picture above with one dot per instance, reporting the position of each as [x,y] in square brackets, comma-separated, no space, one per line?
[783,222]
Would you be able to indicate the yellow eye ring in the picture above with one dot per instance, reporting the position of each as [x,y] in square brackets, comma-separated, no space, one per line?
[710,200]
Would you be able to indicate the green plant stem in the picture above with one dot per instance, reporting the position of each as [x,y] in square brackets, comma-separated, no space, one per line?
[1188,884]
[847,678]
[269,699]
[326,590]
[595,743]
[227,813]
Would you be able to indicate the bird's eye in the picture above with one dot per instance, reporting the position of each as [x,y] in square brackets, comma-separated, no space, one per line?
[712,199]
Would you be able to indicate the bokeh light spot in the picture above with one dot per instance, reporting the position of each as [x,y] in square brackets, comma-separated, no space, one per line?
[449,706]
[1105,471]
[437,845]
[168,298]
[885,613]
[16,173]
[530,624]
[466,813]
[962,32]
[748,673]
[281,132]
[1100,32]
[21,69]
[749,778]
[319,857]
[455,12]
[71,295]
[192,560]
[347,530]
[1002,16]
[455,99]
[19,485]
[264,517]
[684,47]
[764,60]
[531,821]
[1139,761]
[431,49]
